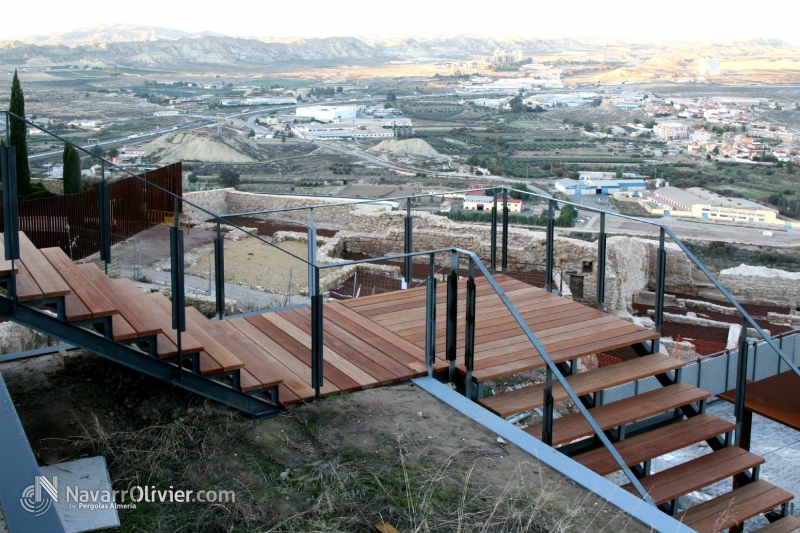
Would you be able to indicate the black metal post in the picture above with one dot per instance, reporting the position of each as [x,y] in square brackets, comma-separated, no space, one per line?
[8,173]
[601,264]
[469,337]
[551,235]
[430,318]
[741,385]
[505,230]
[452,314]
[661,272]
[493,258]
[312,250]
[219,271]
[317,379]
[409,244]
[105,223]
[547,409]
[178,294]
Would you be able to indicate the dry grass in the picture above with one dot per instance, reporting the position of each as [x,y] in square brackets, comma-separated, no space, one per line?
[298,474]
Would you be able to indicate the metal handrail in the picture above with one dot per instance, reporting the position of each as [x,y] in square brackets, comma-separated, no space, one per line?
[536,344]
[213,215]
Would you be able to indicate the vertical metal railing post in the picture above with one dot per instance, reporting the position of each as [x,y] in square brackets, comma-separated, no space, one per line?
[430,318]
[219,271]
[741,383]
[493,258]
[601,264]
[548,408]
[452,315]
[505,230]
[104,220]
[469,336]
[409,245]
[551,235]
[661,272]
[178,293]
[316,308]
[8,172]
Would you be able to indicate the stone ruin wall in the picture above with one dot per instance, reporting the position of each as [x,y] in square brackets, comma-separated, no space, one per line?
[630,267]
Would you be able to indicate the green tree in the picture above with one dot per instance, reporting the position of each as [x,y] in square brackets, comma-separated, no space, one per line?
[229,178]
[72,170]
[18,136]
[391,97]
[192,178]
[339,90]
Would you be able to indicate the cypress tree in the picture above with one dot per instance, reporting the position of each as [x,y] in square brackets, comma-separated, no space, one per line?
[72,170]
[18,137]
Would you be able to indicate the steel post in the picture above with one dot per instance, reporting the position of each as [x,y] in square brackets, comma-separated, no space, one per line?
[409,245]
[547,408]
[505,231]
[219,272]
[105,223]
[661,272]
[551,235]
[317,340]
[601,264]
[493,258]
[178,294]
[452,314]
[741,385]
[469,337]
[312,251]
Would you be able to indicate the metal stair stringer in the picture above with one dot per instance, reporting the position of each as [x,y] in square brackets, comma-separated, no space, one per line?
[138,360]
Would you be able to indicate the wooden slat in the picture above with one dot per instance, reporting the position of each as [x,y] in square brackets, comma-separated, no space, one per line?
[375,363]
[350,330]
[382,333]
[90,297]
[5,266]
[164,347]
[46,277]
[27,289]
[198,325]
[700,472]
[527,398]
[787,524]
[731,509]
[161,308]
[655,443]
[247,351]
[300,349]
[135,312]
[296,376]
[615,414]
[331,357]
[120,328]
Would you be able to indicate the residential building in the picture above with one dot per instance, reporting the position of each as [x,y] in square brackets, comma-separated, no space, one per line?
[486,203]
[670,131]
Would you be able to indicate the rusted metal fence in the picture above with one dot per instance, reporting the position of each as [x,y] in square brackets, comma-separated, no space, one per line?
[72,222]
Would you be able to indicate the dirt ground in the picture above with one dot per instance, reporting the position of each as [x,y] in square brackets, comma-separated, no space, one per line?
[391,453]
[257,264]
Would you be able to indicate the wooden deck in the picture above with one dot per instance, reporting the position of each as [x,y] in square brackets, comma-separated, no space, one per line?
[376,340]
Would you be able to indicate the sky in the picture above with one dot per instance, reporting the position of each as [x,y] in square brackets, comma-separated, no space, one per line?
[708,20]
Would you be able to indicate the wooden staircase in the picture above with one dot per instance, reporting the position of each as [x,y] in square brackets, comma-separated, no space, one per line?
[650,425]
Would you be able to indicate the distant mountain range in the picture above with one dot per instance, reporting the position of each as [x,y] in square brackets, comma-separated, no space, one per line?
[152,47]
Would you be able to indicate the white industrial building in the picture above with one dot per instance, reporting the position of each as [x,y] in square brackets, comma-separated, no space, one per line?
[670,131]
[327,113]
[708,66]
[572,187]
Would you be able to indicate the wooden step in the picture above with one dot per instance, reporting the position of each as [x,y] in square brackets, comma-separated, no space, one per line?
[733,508]
[528,398]
[701,472]
[616,414]
[646,446]
[48,282]
[85,301]
[133,310]
[249,353]
[787,524]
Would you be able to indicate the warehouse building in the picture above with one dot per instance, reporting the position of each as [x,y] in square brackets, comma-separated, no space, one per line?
[708,206]
[572,187]
[327,113]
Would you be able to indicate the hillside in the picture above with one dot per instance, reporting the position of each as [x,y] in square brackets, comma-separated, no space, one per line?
[206,147]
[405,148]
